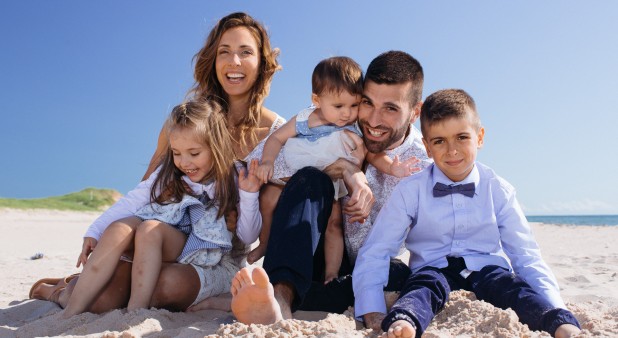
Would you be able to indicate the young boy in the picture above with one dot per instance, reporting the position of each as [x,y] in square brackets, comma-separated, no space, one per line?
[464,229]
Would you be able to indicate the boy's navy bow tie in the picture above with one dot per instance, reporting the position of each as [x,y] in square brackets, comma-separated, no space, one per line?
[440,189]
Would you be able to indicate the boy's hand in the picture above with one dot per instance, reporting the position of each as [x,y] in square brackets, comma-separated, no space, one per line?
[373,320]
[264,171]
[247,180]
[87,247]
[405,168]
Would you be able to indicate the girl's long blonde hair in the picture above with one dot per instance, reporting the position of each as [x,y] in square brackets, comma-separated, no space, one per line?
[205,74]
[204,117]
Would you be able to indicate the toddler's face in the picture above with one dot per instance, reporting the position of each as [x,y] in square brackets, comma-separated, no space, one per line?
[453,144]
[337,108]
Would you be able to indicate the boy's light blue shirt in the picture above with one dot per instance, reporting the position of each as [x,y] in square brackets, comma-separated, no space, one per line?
[484,230]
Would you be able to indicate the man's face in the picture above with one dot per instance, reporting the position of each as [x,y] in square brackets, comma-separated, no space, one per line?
[385,115]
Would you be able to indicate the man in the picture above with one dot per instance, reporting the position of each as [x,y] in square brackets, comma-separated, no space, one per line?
[294,259]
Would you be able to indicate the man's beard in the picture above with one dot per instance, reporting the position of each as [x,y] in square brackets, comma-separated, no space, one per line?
[380,146]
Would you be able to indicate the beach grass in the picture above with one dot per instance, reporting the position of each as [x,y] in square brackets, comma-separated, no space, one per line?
[89,199]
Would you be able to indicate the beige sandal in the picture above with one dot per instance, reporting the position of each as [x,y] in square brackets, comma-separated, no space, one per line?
[60,284]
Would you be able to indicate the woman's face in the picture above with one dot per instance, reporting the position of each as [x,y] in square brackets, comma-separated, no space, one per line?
[238,61]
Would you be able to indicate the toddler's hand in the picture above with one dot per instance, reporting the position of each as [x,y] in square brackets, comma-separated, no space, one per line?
[265,171]
[405,168]
[247,179]
[329,278]
[87,247]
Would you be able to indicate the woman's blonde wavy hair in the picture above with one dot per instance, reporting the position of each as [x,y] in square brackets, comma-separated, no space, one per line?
[203,117]
[205,75]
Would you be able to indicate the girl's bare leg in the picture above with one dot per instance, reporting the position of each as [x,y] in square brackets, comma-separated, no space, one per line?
[102,263]
[155,242]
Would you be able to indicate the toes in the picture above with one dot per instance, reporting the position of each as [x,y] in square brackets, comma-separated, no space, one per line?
[260,278]
[243,277]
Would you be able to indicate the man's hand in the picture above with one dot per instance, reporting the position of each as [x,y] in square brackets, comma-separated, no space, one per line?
[87,247]
[361,198]
[373,320]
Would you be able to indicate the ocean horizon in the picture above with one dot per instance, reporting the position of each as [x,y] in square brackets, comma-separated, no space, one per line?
[594,220]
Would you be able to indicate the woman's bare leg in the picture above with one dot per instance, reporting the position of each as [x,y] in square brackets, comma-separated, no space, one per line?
[168,295]
[155,242]
[102,263]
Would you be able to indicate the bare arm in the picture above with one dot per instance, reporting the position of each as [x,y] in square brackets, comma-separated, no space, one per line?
[277,139]
[394,167]
[361,197]
[272,147]
[158,154]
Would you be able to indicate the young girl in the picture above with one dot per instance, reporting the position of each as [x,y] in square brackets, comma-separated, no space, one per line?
[320,135]
[190,192]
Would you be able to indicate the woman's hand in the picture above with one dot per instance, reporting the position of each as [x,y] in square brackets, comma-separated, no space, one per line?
[87,247]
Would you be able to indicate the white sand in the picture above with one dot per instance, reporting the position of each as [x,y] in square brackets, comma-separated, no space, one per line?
[584,259]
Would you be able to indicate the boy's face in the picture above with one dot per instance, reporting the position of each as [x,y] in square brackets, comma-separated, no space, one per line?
[385,115]
[339,109]
[453,144]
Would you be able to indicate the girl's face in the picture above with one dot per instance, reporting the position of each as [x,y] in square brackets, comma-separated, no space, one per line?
[238,61]
[339,109]
[190,156]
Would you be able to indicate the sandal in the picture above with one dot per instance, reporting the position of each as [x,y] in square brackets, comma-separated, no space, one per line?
[60,284]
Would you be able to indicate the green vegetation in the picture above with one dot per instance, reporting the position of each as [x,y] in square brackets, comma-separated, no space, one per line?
[89,199]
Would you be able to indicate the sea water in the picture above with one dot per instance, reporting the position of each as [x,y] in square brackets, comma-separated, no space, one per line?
[576,220]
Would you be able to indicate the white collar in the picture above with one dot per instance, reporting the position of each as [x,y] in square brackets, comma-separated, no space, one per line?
[199,188]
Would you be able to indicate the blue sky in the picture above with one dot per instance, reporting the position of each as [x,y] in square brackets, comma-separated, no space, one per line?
[86,86]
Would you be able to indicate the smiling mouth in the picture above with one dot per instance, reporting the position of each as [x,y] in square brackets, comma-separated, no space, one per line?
[190,171]
[375,132]
[235,76]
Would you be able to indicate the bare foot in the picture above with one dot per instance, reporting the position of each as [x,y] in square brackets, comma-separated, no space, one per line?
[221,302]
[253,298]
[400,328]
[256,253]
[567,330]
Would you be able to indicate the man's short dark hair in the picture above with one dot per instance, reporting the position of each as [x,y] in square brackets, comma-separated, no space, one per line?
[397,67]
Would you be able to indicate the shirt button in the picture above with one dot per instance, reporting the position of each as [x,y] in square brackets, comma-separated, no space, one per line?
[460,227]
[459,205]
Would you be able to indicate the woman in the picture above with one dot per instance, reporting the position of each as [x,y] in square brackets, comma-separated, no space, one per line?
[236,65]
